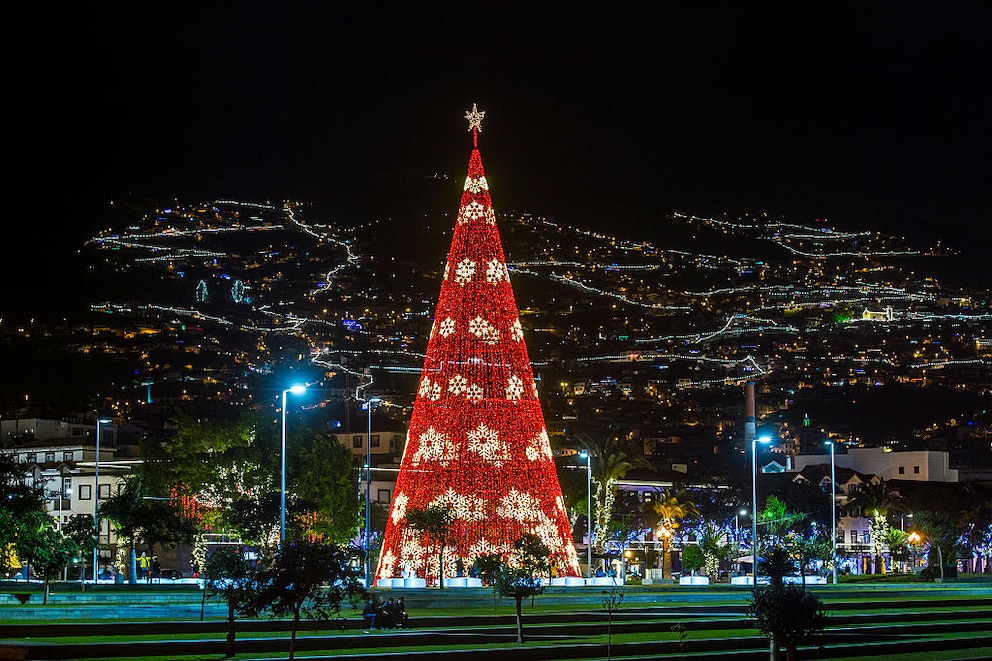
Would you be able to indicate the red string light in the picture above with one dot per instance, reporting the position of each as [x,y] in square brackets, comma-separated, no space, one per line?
[477,439]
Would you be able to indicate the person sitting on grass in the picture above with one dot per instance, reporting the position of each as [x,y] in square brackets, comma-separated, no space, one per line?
[387,616]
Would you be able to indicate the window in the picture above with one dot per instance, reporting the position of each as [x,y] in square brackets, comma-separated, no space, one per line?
[916,470]
[31,458]
[375,440]
[67,488]
[85,492]
[49,456]
[104,491]
[902,470]
[66,456]
[383,496]
[854,536]
[356,441]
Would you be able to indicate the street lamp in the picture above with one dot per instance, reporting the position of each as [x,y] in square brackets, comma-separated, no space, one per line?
[96,497]
[737,523]
[297,389]
[754,506]
[368,493]
[588,457]
[833,507]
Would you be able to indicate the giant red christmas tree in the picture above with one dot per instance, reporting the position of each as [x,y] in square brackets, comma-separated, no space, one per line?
[477,441]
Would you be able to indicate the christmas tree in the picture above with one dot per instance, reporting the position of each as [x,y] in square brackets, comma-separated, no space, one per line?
[477,443]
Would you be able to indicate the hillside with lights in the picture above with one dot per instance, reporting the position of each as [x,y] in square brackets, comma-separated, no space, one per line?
[855,334]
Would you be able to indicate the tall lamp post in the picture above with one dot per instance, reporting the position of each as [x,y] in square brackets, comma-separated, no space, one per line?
[297,389]
[367,541]
[754,506]
[96,498]
[588,457]
[833,508]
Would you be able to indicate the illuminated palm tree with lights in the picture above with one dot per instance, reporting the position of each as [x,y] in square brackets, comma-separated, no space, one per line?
[877,501]
[612,459]
[671,508]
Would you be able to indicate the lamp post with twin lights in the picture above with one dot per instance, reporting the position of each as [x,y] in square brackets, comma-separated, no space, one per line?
[833,508]
[297,389]
[588,457]
[754,505]
[96,498]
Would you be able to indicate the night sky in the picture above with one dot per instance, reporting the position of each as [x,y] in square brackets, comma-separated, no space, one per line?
[870,114]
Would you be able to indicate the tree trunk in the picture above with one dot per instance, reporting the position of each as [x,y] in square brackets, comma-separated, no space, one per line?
[440,569]
[773,648]
[520,621]
[132,568]
[229,646]
[292,637]
[47,591]
[791,650]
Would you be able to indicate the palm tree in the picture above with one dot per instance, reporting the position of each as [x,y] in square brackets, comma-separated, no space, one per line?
[613,457]
[778,519]
[877,501]
[670,509]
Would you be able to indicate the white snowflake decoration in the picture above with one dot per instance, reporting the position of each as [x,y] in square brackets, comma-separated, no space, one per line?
[476,185]
[463,506]
[399,507]
[517,331]
[496,272]
[446,327]
[483,330]
[474,393]
[514,388]
[434,446]
[472,211]
[430,390]
[464,271]
[490,216]
[411,551]
[539,447]
[519,507]
[485,547]
[457,384]
[387,564]
[487,444]
[548,532]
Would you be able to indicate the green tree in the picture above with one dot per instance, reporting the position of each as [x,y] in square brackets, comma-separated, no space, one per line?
[306,580]
[324,484]
[79,528]
[48,551]
[138,515]
[669,510]
[787,615]
[877,501]
[809,547]
[942,532]
[434,522]
[21,503]
[519,577]
[229,575]
[692,558]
